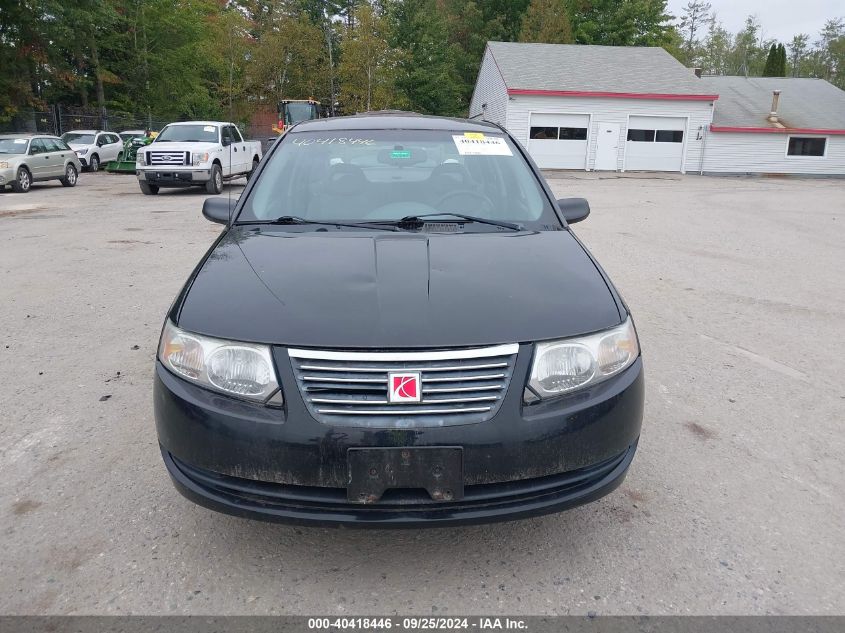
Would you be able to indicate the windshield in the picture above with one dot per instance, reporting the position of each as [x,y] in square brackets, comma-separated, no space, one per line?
[13,145]
[296,112]
[188,134]
[78,139]
[387,175]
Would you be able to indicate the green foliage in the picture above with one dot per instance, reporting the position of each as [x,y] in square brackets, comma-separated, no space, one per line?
[221,58]
[546,21]
[771,67]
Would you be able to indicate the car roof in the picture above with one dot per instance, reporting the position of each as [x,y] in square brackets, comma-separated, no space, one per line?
[27,135]
[84,131]
[395,120]
[200,123]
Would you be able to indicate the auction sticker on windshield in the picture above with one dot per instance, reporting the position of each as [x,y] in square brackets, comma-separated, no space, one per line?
[476,144]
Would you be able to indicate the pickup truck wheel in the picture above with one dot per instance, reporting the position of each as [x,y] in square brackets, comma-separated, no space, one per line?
[70,176]
[148,189]
[23,181]
[95,163]
[252,171]
[215,183]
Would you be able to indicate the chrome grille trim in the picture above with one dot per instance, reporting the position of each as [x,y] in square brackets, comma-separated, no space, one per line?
[163,157]
[461,386]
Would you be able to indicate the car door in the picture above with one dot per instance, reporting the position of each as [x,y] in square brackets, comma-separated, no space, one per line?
[115,147]
[39,159]
[244,161]
[229,155]
[55,158]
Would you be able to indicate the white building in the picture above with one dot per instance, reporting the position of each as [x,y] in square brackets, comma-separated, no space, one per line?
[800,131]
[638,108]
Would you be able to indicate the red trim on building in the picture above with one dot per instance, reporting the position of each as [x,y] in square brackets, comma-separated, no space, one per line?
[612,95]
[774,130]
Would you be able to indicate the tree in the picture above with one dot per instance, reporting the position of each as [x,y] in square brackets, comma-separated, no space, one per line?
[716,49]
[368,68]
[797,54]
[546,21]
[621,22]
[426,68]
[696,15]
[772,61]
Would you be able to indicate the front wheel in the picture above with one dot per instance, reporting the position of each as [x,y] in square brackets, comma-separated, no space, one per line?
[95,163]
[215,183]
[70,176]
[23,181]
[148,189]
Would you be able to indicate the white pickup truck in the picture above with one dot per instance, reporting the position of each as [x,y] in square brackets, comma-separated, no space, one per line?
[196,153]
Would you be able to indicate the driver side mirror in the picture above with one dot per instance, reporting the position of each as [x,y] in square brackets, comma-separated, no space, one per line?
[226,141]
[574,209]
[218,209]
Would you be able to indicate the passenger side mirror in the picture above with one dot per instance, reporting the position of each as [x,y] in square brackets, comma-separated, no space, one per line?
[226,141]
[218,209]
[574,209]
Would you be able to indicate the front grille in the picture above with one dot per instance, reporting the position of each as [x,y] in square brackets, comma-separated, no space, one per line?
[168,158]
[351,388]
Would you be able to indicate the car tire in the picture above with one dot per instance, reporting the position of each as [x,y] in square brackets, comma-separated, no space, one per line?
[215,183]
[94,164]
[148,189]
[252,171]
[23,181]
[71,176]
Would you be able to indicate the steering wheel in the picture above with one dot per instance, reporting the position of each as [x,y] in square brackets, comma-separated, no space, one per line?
[462,192]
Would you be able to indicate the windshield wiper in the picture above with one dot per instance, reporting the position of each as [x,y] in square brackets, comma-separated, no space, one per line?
[293,219]
[419,219]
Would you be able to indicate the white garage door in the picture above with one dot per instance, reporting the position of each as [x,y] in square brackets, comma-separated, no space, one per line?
[655,143]
[559,141]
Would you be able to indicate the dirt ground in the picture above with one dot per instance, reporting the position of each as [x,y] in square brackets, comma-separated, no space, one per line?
[733,505]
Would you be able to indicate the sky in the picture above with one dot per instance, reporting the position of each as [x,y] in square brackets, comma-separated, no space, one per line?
[780,19]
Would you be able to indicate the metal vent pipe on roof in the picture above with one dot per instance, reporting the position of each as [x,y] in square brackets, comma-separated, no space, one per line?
[773,115]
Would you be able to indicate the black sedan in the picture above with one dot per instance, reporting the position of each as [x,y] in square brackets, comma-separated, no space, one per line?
[397,327]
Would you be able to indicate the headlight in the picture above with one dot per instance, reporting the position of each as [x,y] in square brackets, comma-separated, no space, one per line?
[140,158]
[82,152]
[563,366]
[199,157]
[243,370]
[4,164]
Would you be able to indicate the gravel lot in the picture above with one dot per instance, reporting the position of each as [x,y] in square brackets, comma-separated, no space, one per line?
[734,504]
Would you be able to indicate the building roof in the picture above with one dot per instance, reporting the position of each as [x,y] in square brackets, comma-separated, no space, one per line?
[581,70]
[745,102]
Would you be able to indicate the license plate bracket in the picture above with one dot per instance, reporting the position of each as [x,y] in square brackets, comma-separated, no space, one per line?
[437,469]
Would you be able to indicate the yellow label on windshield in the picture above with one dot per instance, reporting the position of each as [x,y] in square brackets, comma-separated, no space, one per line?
[476,135]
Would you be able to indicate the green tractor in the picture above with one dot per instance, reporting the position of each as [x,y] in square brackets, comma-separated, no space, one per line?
[125,163]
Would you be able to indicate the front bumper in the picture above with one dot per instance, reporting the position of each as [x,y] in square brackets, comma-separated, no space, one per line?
[283,465]
[165,177]
[7,175]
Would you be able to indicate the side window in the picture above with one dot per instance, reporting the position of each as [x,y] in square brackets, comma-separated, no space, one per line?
[236,134]
[37,146]
[226,135]
[115,138]
[53,145]
[641,136]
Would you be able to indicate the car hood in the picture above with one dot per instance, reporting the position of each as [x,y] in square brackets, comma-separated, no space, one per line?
[182,147]
[362,290]
[78,146]
[11,157]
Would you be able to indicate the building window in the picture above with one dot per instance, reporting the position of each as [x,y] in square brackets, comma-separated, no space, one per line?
[641,136]
[544,133]
[806,146]
[573,134]
[670,136]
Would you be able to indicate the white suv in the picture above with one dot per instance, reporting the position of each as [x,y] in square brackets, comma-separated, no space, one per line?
[93,147]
